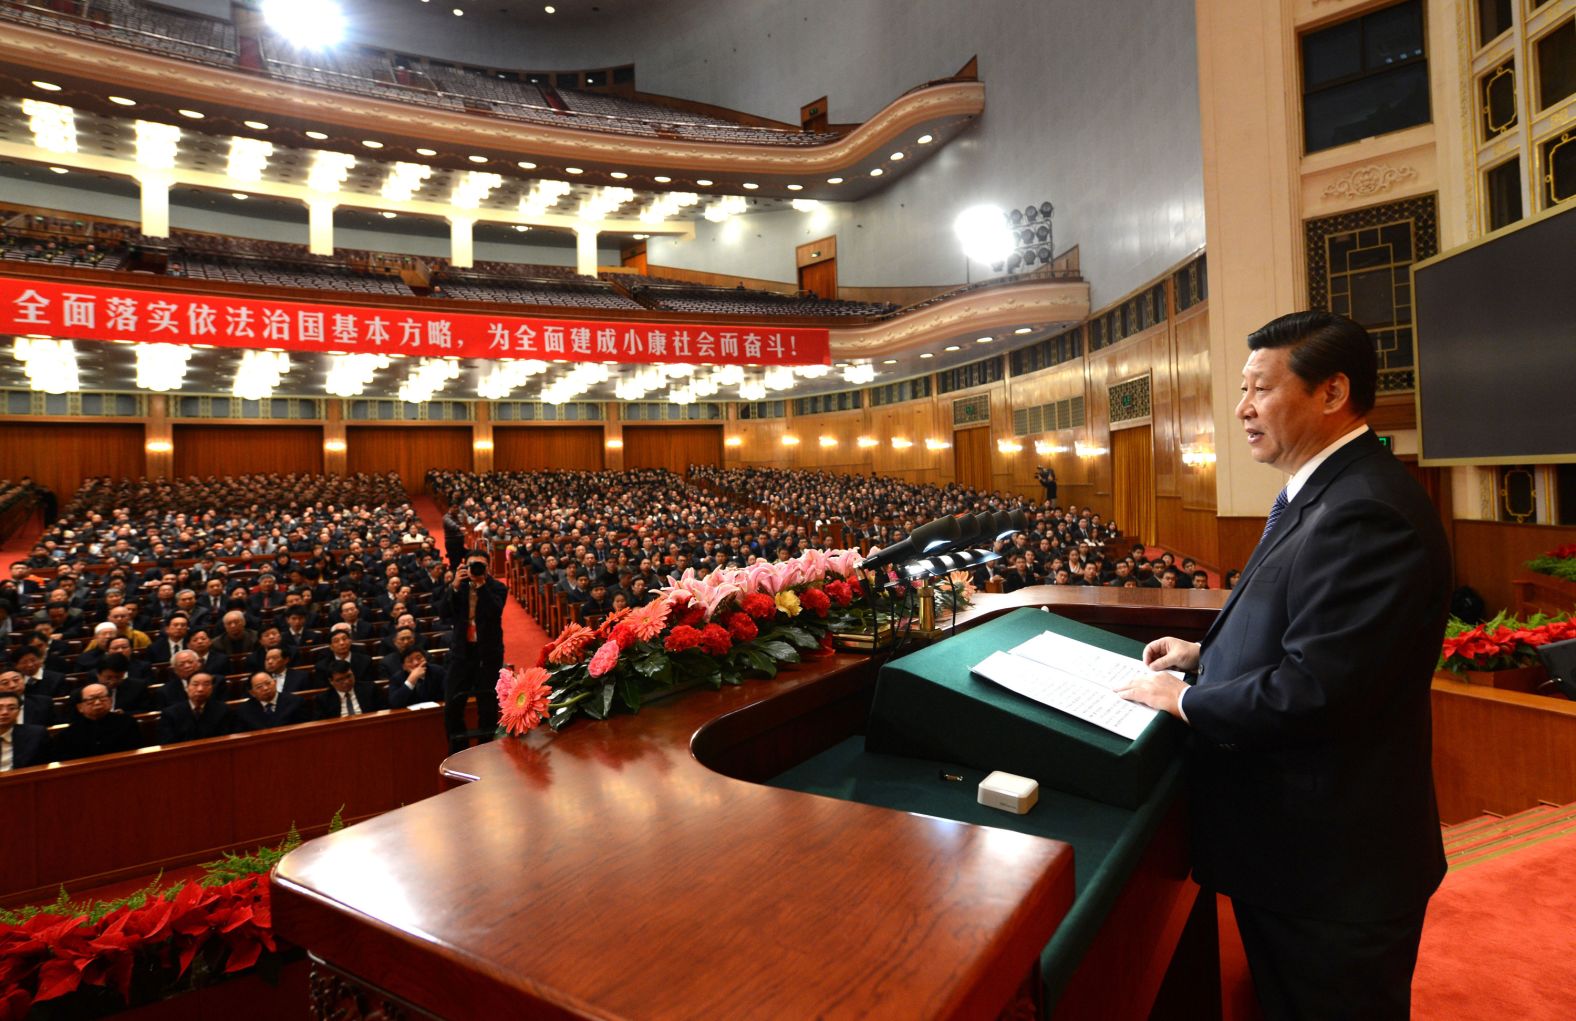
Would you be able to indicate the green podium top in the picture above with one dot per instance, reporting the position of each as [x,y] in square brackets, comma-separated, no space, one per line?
[928,706]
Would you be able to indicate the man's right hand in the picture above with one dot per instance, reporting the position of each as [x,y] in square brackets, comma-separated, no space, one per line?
[1171,654]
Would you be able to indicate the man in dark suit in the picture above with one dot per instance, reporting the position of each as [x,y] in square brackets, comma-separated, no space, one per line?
[1312,797]
[197,715]
[127,694]
[346,696]
[297,634]
[474,607]
[94,730]
[39,681]
[340,651]
[277,665]
[268,707]
[417,680]
[21,744]
[173,639]
[37,710]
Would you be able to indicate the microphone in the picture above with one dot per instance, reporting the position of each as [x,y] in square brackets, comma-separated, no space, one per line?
[934,535]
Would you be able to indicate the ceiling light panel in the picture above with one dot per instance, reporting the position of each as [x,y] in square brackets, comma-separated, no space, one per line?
[248,158]
[54,126]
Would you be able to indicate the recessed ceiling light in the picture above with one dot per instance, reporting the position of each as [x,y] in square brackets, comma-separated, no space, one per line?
[796,187]
[983,340]
[1020,331]
[526,165]
[256,125]
[896,156]
[122,101]
[59,170]
[46,86]
[750,186]
[371,143]
[550,9]
[387,215]
[241,195]
[459,13]
[195,115]
[317,135]
[927,354]
[426,152]
[477,159]
[834,180]
[703,182]
[573,170]
[890,361]
[952,347]
[640,237]
[618,175]
[662,180]
[522,228]
[877,172]
[926,139]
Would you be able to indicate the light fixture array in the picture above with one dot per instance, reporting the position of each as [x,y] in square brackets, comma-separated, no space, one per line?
[405,180]
[349,374]
[259,374]
[54,126]
[473,188]
[50,365]
[428,377]
[157,145]
[329,170]
[248,158]
[161,367]
[504,377]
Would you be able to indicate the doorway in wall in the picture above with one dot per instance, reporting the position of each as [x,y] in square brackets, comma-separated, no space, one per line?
[1133,481]
[817,263]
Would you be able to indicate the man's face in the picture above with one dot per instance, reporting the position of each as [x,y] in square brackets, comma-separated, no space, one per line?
[94,704]
[214,587]
[1283,420]
[404,640]
[1090,572]
[1168,579]
[200,642]
[199,688]
[340,643]
[120,645]
[263,687]
[349,613]
[234,624]
[274,660]
[111,678]
[9,710]
[175,630]
[343,681]
[186,600]
[27,662]
[185,663]
[10,680]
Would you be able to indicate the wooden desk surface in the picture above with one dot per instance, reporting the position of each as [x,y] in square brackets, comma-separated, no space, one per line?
[1134,613]
[607,872]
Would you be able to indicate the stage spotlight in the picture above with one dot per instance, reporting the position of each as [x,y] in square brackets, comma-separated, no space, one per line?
[983,233]
[308,24]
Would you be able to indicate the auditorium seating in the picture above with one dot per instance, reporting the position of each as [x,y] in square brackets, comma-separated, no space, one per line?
[736,301]
[279,273]
[568,292]
[125,23]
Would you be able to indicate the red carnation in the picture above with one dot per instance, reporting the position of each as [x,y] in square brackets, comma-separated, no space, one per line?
[624,635]
[695,616]
[759,605]
[816,601]
[840,592]
[742,627]
[681,638]
[716,640]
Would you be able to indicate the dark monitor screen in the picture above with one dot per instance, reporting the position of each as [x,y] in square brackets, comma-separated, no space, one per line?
[1496,347]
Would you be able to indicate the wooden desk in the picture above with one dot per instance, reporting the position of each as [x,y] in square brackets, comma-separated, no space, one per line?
[606,872]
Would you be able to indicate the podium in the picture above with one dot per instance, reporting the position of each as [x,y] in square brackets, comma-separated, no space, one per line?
[665,865]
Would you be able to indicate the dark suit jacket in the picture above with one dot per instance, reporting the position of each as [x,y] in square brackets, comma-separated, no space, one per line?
[178,723]
[360,665]
[29,746]
[51,684]
[38,710]
[428,689]
[1312,791]
[131,695]
[116,732]
[367,694]
[288,708]
[159,651]
[490,599]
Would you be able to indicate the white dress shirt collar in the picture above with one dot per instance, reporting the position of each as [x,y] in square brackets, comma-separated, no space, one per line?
[1305,473]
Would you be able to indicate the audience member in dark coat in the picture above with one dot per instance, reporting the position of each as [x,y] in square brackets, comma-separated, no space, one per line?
[339,651]
[94,730]
[416,681]
[40,681]
[127,694]
[27,741]
[198,715]
[287,679]
[269,707]
[347,696]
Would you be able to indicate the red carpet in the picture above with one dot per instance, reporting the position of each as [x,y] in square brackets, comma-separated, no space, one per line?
[523,638]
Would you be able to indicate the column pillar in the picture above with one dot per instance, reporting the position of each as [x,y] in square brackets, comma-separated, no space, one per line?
[482,438]
[613,436]
[461,245]
[155,191]
[334,456]
[585,251]
[158,439]
[320,226]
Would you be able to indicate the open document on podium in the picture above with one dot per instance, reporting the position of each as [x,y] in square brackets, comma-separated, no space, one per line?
[1073,677]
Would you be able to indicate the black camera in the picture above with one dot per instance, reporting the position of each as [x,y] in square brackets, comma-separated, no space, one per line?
[477,567]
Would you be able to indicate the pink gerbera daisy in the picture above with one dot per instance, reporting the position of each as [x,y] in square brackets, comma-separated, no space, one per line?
[648,621]
[571,644]
[526,704]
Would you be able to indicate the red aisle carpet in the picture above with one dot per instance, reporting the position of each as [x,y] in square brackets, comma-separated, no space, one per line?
[523,638]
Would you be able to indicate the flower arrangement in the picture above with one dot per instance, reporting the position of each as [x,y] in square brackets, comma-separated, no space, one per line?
[139,948]
[712,630]
[1503,643]
[1559,562]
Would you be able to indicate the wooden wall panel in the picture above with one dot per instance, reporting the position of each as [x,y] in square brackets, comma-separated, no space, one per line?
[1489,554]
[1195,409]
[410,450]
[1073,482]
[61,454]
[562,447]
[1500,751]
[674,447]
[204,450]
[971,454]
[1193,532]
[1238,536]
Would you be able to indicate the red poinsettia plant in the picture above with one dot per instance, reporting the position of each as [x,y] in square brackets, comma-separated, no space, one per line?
[1503,643]
[1559,561]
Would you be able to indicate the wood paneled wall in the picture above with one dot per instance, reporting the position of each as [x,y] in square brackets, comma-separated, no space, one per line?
[561,447]
[61,454]
[761,442]
[408,449]
[674,447]
[205,450]
[1489,554]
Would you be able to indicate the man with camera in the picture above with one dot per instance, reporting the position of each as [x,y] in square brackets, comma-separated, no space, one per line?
[475,613]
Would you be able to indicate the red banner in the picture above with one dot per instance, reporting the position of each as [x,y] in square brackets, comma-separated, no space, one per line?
[78,312]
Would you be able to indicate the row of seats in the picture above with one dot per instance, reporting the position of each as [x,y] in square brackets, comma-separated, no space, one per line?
[271,273]
[565,296]
[85,255]
[188,36]
[739,301]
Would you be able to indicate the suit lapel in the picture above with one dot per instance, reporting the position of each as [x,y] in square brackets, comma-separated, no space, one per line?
[1363,446]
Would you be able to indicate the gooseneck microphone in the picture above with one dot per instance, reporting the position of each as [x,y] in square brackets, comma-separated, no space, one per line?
[926,539]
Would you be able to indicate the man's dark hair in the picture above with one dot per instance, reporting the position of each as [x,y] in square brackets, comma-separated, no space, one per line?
[1322,344]
[13,696]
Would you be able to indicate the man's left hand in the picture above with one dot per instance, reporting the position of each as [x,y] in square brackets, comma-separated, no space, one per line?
[1157,691]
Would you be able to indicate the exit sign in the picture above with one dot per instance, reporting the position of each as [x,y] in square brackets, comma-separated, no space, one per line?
[1388,443]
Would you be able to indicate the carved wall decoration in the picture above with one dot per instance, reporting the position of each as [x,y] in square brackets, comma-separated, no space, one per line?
[1365,181]
[1130,402]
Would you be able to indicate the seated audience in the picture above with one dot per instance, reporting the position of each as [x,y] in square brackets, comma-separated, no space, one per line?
[93,729]
[347,696]
[21,744]
[197,715]
[266,706]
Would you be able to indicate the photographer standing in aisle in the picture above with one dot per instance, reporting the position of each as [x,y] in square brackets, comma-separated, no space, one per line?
[475,614]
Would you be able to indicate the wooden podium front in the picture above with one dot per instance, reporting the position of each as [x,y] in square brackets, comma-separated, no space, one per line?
[636,868]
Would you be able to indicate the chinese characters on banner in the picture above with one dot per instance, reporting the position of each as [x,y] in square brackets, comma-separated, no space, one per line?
[70,311]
